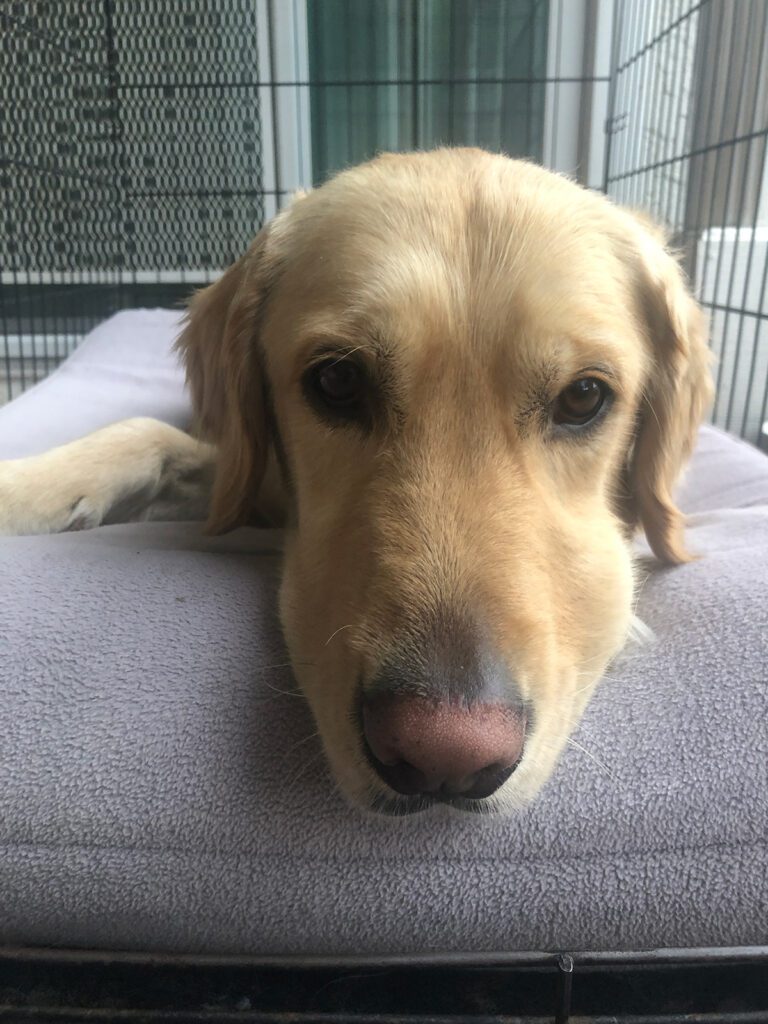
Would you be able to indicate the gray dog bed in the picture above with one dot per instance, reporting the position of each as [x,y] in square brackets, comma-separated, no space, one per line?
[161,787]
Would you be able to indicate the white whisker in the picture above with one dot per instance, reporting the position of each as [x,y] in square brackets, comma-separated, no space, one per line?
[300,743]
[283,693]
[303,770]
[600,764]
[589,686]
[283,664]
[653,411]
[349,625]
[639,632]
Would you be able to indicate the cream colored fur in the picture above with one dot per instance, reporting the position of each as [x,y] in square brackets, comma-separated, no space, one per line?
[135,470]
[481,287]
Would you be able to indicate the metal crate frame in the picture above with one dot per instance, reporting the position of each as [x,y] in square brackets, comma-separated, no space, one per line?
[610,144]
[702,986]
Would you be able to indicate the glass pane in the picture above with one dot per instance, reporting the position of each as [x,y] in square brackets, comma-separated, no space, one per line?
[405,74]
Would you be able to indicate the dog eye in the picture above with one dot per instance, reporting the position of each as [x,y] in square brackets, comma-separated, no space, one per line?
[338,383]
[580,402]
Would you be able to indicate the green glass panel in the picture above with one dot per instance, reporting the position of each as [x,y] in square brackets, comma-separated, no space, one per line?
[404,74]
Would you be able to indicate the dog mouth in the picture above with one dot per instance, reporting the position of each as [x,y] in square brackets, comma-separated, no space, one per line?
[397,805]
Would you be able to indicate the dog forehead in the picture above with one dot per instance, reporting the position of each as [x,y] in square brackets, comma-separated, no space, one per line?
[445,249]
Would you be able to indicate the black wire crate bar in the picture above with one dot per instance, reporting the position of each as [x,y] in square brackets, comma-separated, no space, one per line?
[706,986]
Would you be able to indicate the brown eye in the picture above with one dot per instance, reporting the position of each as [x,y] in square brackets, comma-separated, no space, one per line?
[339,383]
[340,391]
[580,402]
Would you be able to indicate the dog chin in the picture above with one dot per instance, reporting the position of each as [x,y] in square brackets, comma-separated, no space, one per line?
[374,800]
[393,805]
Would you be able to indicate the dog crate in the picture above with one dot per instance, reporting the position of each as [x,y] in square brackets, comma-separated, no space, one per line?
[144,143]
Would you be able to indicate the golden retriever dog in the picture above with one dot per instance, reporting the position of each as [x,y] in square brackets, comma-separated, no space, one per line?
[462,383]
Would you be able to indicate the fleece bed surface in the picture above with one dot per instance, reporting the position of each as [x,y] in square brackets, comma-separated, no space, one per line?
[161,787]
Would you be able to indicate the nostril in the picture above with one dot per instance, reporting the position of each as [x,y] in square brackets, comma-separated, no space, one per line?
[487,781]
[408,780]
[420,746]
[402,777]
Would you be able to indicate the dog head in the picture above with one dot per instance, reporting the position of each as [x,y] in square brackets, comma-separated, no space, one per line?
[476,380]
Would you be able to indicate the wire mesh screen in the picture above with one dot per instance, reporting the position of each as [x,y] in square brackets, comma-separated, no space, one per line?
[688,131]
[131,163]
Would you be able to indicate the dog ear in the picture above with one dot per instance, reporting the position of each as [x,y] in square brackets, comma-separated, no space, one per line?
[676,396]
[219,346]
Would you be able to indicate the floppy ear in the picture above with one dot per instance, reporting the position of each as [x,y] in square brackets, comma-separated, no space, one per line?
[677,393]
[219,346]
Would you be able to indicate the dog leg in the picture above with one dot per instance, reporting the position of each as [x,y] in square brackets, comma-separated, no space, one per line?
[131,471]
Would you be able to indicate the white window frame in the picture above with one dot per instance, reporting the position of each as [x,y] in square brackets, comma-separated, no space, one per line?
[575,112]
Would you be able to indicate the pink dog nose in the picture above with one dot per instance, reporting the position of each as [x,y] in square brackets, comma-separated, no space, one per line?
[421,746]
